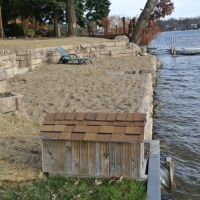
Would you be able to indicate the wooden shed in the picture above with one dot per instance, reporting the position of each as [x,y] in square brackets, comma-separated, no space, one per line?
[93,144]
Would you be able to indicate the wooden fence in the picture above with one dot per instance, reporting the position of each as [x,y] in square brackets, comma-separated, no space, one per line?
[110,33]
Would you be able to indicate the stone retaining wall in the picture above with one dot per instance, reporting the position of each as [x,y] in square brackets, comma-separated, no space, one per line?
[24,60]
[3,81]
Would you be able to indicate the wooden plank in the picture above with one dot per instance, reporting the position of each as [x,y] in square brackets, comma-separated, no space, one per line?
[46,156]
[83,158]
[118,159]
[140,159]
[75,157]
[104,159]
[111,159]
[54,156]
[126,160]
[134,160]
[62,157]
[91,158]
[69,157]
[98,158]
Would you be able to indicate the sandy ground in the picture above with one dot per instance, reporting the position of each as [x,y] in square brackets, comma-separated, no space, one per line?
[107,85]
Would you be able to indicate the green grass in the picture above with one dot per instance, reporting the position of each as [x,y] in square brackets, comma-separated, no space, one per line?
[58,188]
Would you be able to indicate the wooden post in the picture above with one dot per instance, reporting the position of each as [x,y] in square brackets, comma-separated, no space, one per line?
[116,28]
[131,26]
[124,28]
[106,28]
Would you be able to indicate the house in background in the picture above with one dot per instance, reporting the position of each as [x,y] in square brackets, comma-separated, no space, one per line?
[192,26]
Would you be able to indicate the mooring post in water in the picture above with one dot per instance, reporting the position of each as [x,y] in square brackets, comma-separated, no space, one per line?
[174,46]
[172,42]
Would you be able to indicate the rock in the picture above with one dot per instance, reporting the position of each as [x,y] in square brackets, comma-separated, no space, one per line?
[7,104]
[144,49]
[3,74]
[3,81]
[134,46]
[122,38]
[143,54]
[13,103]
[157,106]
[158,63]
[3,86]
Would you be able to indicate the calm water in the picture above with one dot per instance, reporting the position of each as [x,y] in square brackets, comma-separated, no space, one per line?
[177,124]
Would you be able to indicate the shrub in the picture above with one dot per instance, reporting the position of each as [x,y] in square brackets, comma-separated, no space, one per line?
[15,30]
[149,33]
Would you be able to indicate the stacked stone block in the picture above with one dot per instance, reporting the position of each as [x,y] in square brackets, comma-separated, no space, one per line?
[3,81]
[24,60]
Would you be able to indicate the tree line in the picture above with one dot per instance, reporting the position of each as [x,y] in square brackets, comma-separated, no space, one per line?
[79,12]
[183,23]
[73,12]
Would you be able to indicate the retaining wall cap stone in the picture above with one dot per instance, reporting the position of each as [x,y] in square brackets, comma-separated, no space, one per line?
[122,38]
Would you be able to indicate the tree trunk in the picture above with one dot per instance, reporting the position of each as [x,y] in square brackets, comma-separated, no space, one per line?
[71,18]
[1,25]
[55,17]
[142,20]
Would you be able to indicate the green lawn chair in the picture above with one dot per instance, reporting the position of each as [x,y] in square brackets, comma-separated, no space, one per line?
[65,58]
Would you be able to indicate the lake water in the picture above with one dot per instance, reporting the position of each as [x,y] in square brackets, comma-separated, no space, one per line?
[177,123]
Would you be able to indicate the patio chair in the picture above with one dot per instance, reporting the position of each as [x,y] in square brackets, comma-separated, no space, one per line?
[65,58]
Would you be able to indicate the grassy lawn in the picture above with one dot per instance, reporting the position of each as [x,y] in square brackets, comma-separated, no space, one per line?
[58,188]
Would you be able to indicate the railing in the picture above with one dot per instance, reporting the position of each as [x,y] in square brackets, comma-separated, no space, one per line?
[121,28]
[181,43]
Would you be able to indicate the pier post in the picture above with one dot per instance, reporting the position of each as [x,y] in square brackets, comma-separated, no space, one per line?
[172,40]
[174,47]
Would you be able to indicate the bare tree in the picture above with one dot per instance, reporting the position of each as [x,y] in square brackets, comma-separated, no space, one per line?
[71,18]
[1,25]
[154,9]
[142,20]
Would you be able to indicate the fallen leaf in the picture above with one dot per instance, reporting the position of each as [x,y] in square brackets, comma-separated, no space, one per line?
[98,182]
[48,188]
[77,197]
[120,180]
[40,175]
[90,192]
[112,180]
[76,182]
[54,196]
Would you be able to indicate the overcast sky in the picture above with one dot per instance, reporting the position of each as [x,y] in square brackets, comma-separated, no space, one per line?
[131,8]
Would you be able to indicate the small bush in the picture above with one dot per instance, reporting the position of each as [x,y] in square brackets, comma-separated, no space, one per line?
[15,30]
[149,33]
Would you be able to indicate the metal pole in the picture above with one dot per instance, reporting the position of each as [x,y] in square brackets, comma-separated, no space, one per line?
[172,40]
[174,47]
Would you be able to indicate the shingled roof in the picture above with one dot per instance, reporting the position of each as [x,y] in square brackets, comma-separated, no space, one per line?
[97,127]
